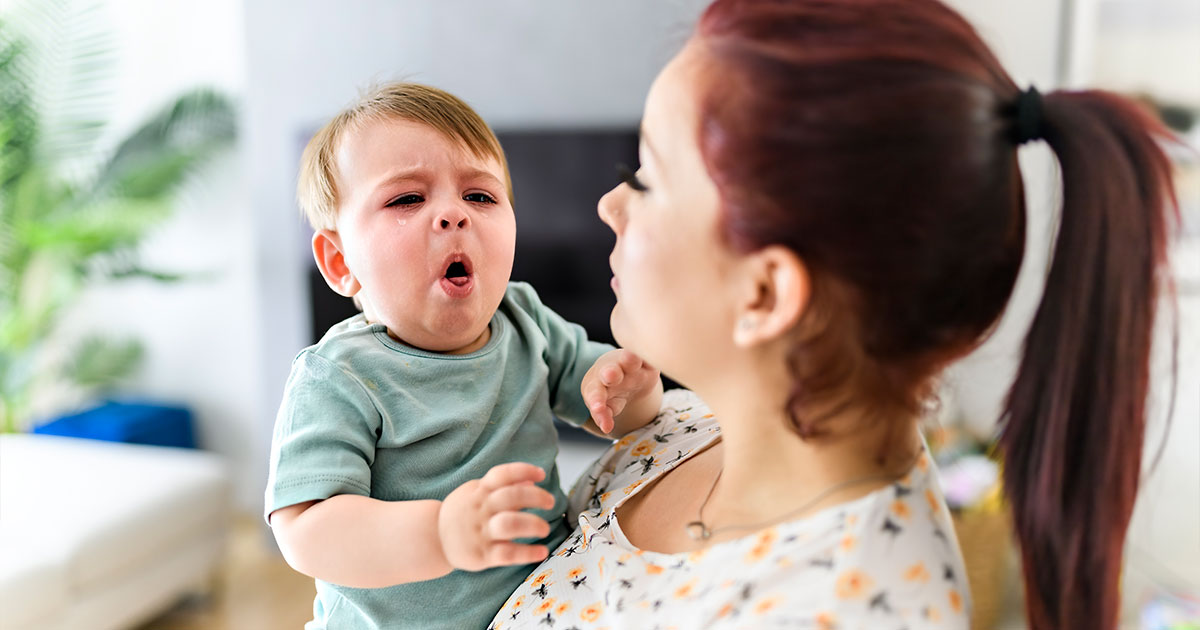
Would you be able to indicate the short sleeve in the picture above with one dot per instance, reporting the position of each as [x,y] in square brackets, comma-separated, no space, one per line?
[569,355]
[325,435]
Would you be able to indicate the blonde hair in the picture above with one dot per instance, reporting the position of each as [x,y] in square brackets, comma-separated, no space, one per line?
[317,189]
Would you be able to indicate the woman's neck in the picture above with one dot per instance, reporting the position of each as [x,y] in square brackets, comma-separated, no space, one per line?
[767,470]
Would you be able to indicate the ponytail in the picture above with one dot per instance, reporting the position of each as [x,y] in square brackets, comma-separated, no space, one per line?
[1074,420]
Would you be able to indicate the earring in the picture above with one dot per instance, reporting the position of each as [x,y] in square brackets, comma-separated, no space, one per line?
[746,324]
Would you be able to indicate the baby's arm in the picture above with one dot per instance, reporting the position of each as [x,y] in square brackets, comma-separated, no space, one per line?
[622,392]
[361,542]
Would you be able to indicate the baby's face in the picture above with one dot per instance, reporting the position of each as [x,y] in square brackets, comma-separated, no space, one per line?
[428,232]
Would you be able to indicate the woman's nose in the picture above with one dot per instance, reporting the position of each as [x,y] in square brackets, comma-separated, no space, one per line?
[609,209]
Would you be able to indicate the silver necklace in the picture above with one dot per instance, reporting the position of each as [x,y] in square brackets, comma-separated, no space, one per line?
[699,530]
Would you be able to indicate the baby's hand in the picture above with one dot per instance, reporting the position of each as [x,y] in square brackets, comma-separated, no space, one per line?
[617,377]
[479,519]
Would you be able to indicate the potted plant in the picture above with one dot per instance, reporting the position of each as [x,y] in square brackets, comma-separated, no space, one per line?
[74,205]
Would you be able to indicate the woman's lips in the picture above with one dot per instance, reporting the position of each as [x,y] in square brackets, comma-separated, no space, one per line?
[616,284]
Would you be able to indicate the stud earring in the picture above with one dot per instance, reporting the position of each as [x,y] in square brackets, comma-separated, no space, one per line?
[746,324]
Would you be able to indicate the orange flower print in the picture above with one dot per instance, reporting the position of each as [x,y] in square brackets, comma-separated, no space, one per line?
[592,612]
[956,603]
[852,584]
[684,416]
[643,448]
[519,602]
[900,508]
[934,504]
[826,621]
[623,442]
[917,573]
[923,462]
[932,614]
[707,416]
[757,553]
[696,555]
[574,573]
[562,608]
[762,545]
[765,605]
[544,607]
[768,536]
[851,520]
[604,497]
[653,569]
[541,578]
[725,610]
[685,590]
[848,542]
[633,486]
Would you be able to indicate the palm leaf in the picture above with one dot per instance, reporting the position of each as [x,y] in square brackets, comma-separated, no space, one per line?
[68,68]
[101,363]
[155,159]
[18,122]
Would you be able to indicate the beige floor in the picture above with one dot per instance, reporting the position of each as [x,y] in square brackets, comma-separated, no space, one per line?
[255,590]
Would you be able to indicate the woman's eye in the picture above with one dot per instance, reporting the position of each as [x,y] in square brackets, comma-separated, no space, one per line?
[405,200]
[479,198]
[630,178]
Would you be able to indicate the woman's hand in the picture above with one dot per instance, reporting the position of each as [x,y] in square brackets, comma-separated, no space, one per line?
[619,382]
[478,521]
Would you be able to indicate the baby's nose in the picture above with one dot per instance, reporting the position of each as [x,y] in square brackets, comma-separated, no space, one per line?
[452,220]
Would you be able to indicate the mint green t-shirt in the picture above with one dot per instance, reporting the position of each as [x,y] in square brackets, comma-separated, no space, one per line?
[365,414]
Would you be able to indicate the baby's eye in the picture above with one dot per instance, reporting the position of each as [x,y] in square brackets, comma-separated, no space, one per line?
[479,198]
[405,200]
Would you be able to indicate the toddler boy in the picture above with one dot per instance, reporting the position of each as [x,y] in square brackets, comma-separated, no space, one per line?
[412,467]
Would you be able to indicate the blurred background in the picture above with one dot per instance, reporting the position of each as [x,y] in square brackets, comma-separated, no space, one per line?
[154,256]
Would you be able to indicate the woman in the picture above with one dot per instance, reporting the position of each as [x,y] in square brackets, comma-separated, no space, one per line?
[828,212]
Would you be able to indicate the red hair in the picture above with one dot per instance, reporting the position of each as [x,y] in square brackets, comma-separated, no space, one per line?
[877,140]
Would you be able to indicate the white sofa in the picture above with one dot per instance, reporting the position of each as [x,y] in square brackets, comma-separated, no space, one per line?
[103,536]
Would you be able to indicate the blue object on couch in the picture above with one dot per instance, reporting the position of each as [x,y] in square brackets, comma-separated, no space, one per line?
[130,422]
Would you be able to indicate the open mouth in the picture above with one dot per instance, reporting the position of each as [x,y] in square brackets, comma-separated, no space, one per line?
[458,270]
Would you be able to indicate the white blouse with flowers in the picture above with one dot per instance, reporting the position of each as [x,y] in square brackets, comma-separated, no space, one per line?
[886,561]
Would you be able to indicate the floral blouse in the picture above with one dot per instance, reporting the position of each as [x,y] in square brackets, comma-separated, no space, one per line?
[886,561]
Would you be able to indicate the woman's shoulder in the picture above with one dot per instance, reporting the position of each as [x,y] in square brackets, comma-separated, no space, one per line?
[684,422]
[893,557]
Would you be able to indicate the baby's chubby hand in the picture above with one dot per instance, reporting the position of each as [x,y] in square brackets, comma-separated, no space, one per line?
[478,521]
[617,377]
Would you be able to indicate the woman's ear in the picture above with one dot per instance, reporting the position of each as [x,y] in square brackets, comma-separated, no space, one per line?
[777,290]
[327,249]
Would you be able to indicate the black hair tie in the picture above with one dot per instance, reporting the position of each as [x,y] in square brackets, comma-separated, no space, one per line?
[1029,116]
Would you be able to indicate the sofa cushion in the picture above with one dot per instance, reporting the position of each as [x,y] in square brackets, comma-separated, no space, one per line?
[87,511]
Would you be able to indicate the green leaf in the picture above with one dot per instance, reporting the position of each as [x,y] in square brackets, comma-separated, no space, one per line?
[156,157]
[68,67]
[102,363]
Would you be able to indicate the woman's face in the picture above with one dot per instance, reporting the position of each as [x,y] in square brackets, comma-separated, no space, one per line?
[670,267]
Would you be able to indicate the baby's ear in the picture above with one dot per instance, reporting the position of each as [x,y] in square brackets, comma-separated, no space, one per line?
[327,250]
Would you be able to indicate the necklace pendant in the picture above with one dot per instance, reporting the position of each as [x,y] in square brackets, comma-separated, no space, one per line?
[697,530]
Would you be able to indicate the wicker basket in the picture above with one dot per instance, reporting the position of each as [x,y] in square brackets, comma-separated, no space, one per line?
[986,541]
